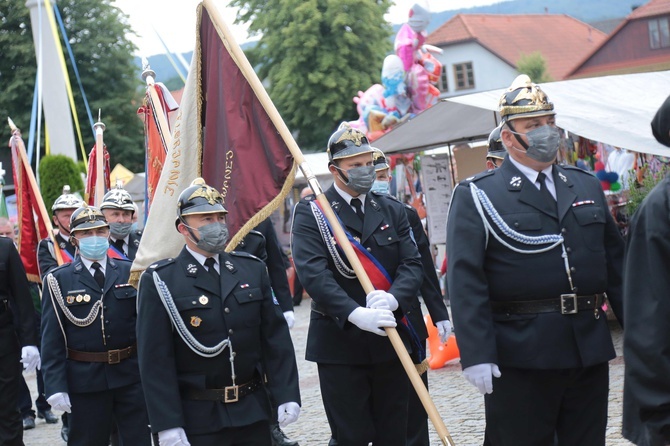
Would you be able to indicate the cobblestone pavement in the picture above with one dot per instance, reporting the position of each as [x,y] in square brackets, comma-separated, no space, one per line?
[459,404]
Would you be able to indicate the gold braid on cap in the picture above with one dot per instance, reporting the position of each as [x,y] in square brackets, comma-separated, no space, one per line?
[205,191]
[535,99]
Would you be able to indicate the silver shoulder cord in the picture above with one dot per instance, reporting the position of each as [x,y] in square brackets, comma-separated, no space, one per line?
[329,240]
[187,336]
[56,292]
[483,203]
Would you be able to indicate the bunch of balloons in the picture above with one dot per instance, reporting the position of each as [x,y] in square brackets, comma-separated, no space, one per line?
[608,180]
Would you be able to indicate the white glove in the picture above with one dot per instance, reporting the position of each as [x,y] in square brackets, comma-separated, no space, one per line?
[173,437]
[287,413]
[444,330]
[369,319]
[381,300]
[60,401]
[290,318]
[30,357]
[481,376]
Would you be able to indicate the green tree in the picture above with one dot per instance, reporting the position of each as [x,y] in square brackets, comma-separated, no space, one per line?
[97,33]
[534,66]
[55,172]
[315,55]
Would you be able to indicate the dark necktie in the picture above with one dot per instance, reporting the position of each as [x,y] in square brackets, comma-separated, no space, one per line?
[358,207]
[209,263]
[98,275]
[548,199]
[118,244]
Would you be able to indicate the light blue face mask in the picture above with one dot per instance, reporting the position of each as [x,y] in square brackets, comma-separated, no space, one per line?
[94,247]
[381,187]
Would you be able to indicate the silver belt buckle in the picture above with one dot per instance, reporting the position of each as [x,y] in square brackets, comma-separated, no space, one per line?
[231,394]
[569,304]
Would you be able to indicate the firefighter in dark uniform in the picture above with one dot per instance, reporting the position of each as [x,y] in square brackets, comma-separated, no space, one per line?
[417,419]
[262,242]
[118,208]
[18,342]
[211,339]
[363,385]
[496,151]
[88,338]
[62,209]
[532,250]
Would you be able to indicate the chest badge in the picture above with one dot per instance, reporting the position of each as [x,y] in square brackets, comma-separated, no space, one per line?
[195,321]
[562,177]
[244,286]
[191,268]
[86,298]
[384,228]
[70,299]
[79,298]
[203,300]
[515,181]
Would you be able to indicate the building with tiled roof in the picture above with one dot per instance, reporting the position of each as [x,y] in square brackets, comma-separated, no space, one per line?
[481,51]
[641,43]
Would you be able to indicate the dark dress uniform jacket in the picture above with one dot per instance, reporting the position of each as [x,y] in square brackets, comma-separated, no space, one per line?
[385,233]
[239,307]
[481,270]
[430,285]
[14,294]
[46,259]
[134,239]
[262,242]
[646,409]
[119,307]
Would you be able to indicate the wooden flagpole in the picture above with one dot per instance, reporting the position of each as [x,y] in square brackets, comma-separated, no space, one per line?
[99,162]
[16,133]
[338,231]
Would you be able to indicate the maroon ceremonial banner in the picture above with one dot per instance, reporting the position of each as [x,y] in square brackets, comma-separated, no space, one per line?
[223,134]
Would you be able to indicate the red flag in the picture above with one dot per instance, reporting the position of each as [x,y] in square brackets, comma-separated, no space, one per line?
[225,135]
[28,199]
[91,177]
[156,134]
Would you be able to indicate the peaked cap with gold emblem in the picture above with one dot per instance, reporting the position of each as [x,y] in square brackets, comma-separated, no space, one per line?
[524,99]
[87,217]
[347,142]
[199,198]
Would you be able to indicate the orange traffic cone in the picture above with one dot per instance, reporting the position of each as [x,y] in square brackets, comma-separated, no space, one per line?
[440,354]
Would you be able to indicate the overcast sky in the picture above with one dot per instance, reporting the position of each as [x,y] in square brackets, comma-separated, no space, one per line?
[175,20]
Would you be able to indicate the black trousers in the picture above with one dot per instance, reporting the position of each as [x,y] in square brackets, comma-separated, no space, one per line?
[532,407]
[256,434]
[366,403]
[11,430]
[94,413]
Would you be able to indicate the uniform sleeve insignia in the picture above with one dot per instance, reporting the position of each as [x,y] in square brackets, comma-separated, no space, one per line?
[515,181]
[191,268]
[203,300]
[195,321]
[562,177]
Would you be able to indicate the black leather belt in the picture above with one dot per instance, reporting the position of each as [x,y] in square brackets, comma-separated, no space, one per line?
[230,394]
[110,356]
[566,304]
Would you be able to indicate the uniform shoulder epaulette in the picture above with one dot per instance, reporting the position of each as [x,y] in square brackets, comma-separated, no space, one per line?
[160,264]
[478,177]
[575,168]
[60,267]
[308,198]
[245,254]
[138,233]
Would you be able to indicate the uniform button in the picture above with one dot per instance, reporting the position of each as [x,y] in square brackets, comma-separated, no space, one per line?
[390,238]
[251,295]
[568,249]
[227,310]
[109,336]
[564,230]
[107,321]
[516,224]
[105,307]
[573,269]
[595,216]
[193,302]
[369,249]
[230,331]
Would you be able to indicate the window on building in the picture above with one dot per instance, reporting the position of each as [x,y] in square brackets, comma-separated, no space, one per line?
[443,85]
[659,33]
[464,76]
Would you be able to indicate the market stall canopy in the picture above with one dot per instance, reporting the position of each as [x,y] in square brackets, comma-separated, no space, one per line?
[615,110]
